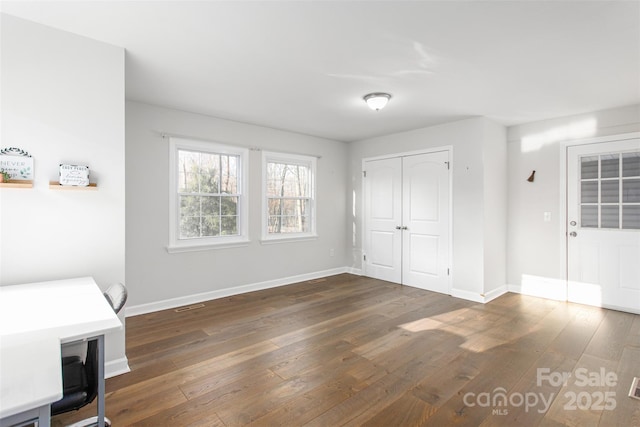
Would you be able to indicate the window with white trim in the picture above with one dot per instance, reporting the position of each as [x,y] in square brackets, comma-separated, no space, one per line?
[289,203]
[610,191]
[208,195]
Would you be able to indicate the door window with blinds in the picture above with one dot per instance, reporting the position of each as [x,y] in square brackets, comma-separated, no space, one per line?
[208,194]
[610,191]
[288,196]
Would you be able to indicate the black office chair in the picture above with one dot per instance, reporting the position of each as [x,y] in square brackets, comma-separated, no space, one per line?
[80,379]
[117,296]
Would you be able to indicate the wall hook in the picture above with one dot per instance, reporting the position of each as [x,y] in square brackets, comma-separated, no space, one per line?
[532,176]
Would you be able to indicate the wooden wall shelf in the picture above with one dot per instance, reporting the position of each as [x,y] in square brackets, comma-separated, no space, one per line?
[14,183]
[55,185]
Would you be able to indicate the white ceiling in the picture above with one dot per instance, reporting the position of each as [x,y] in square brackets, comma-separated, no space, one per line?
[304,66]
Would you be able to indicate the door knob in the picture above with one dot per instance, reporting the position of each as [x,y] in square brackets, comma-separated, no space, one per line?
[398,227]
[573,223]
[405,228]
[573,234]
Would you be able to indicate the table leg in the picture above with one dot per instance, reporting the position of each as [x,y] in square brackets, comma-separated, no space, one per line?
[101,388]
[44,416]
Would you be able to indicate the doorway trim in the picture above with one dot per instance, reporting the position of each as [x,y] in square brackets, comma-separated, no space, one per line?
[449,149]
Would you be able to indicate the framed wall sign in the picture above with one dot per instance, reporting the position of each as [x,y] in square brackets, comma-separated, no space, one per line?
[17,163]
[74,175]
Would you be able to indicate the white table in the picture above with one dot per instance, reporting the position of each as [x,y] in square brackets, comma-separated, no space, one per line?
[35,319]
[29,395]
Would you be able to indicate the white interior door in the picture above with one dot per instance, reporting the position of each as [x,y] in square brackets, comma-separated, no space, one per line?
[603,230]
[382,215]
[425,212]
[406,212]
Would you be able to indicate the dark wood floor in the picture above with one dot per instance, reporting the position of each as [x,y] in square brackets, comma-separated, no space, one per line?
[349,350]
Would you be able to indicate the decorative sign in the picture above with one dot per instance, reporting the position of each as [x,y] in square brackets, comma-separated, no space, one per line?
[17,163]
[74,175]
[635,388]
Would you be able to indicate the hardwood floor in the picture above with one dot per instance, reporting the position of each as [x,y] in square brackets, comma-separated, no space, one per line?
[350,350]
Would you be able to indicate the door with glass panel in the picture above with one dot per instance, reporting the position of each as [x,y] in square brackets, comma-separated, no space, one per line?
[603,230]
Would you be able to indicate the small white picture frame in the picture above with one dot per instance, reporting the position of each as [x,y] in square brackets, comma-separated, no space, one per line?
[74,175]
[634,392]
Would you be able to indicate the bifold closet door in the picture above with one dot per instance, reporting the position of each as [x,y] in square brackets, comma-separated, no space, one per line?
[383,214]
[425,223]
[407,220]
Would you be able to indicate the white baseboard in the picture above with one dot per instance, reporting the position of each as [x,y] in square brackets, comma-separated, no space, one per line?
[543,287]
[354,271]
[481,298]
[468,295]
[491,295]
[135,310]
[116,367]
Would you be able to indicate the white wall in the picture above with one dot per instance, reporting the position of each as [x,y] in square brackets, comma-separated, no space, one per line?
[63,102]
[535,247]
[471,140]
[157,279]
[494,158]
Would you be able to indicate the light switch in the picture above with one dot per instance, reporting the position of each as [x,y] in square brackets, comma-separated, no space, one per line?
[547,217]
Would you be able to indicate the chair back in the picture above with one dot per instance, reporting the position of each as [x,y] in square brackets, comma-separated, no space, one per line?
[116,294]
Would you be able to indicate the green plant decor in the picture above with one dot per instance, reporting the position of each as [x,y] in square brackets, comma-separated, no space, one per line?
[5,175]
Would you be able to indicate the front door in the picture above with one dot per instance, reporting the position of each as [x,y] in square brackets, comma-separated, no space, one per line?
[603,230]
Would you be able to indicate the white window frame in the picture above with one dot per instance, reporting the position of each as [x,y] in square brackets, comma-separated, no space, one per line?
[203,243]
[311,163]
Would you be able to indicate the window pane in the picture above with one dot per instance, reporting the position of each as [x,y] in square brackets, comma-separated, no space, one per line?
[610,166]
[188,171]
[274,225]
[589,217]
[210,226]
[229,170]
[287,180]
[229,205]
[289,224]
[631,217]
[274,206]
[610,191]
[189,227]
[631,191]
[276,176]
[589,192]
[229,225]
[589,167]
[189,206]
[631,164]
[210,205]
[610,217]
[287,206]
[289,215]
[210,173]
[294,224]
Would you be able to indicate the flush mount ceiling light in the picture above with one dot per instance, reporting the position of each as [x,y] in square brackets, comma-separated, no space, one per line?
[377,101]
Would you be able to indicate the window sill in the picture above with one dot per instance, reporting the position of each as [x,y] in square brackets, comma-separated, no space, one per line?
[276,240]
[173,249]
